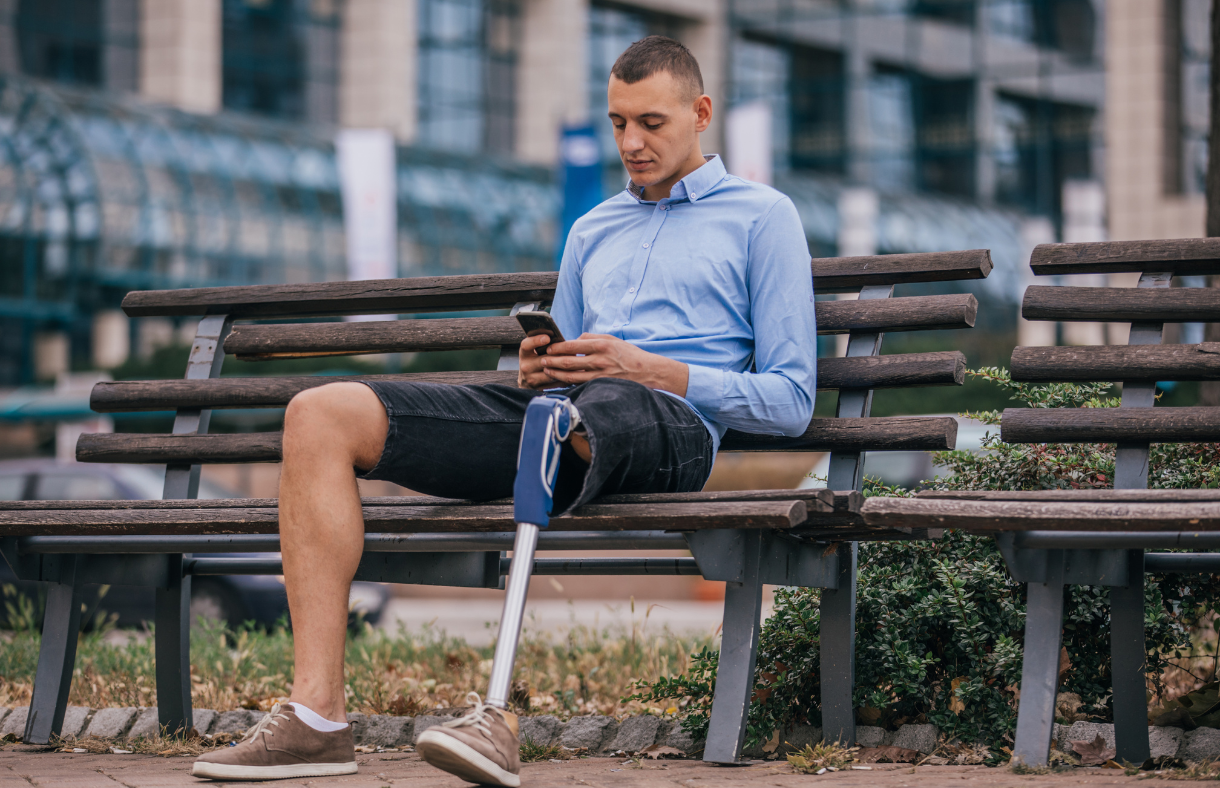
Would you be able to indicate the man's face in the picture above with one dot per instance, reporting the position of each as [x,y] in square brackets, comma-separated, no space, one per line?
[656,126]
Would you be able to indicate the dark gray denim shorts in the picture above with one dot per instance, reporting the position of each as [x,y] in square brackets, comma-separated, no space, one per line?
[461,441]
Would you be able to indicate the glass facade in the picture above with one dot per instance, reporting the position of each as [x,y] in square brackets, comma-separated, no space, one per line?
[1070,26]
[100,196]
[930,111]
[1187,114]
[1038,146]
[281,58]
[468,74]
[75,42]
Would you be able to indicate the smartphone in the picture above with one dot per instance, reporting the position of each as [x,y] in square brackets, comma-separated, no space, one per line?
[535,323]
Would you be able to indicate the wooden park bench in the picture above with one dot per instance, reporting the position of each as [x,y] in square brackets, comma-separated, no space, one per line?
[1098,537]
[746,538]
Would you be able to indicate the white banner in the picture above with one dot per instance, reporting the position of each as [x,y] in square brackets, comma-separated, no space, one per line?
[367,177]
[748,133]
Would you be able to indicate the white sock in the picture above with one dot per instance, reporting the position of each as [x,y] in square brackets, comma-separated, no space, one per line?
[315,720]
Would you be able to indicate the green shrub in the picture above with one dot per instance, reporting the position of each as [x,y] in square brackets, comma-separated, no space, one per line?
[940,624]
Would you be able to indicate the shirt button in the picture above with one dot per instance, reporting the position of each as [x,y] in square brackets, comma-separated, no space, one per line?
[664,207]
[631,290]
[694,196]
[645,244]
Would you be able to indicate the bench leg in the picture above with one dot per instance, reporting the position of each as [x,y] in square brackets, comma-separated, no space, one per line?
[56,659]
[173,644]
[1127,663]
[838,640]
[1040,670]
[738,654]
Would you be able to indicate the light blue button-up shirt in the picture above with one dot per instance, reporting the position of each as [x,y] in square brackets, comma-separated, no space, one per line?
[716,276]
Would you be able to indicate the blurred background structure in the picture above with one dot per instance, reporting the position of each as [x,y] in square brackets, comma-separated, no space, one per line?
[170,143]
[189,143]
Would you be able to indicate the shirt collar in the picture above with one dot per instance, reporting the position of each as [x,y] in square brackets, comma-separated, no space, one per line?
[694,186]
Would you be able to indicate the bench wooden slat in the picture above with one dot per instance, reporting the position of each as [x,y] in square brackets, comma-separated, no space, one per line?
[868,434]
[500,291]
[1121,304]
[1109,425]
[947,368]
[944,368]
[816,501]
[1041,515]
[272,392]
[1126,496]
[912,313]
[406,519]
[193,449]
[845,274]
[1116,363]
[894,433]
[299,340]
[377,296]
[1182,256]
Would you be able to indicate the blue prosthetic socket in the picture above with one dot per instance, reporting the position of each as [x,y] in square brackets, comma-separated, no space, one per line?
[549,421]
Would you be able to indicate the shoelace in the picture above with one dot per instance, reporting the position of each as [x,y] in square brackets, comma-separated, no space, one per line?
[264,725]
[478,717]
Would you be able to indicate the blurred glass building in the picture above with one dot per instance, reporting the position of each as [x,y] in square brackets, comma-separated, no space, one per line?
[167,143]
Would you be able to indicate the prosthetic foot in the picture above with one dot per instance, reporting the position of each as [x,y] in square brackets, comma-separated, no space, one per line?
[482,746]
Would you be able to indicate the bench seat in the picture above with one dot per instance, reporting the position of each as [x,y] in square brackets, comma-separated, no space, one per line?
[1039,510]
[813,514]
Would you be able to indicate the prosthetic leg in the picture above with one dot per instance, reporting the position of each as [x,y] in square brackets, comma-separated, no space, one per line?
[549,421]
[483,746]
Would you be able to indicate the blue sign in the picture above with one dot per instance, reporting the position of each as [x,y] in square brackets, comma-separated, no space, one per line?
[582,175]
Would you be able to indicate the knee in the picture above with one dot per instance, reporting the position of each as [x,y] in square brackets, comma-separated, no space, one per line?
[333,411]
[313,408]
[337,420]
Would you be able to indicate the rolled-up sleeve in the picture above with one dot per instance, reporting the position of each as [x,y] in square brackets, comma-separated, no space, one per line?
[777,397]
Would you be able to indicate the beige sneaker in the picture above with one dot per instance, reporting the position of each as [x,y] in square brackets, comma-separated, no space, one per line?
[481,747]
[281,746]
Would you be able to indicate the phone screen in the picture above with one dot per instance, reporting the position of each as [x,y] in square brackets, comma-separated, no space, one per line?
[535,323]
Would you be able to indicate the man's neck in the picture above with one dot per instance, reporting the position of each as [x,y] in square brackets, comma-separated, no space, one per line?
[659,191]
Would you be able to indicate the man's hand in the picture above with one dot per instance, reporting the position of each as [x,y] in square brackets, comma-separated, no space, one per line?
[597,356]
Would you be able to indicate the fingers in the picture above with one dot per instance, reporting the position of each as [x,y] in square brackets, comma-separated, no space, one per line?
[570,363]
[586,345]
[531,344]
[530,374]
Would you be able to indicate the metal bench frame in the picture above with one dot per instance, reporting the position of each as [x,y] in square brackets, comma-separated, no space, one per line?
[1049,560]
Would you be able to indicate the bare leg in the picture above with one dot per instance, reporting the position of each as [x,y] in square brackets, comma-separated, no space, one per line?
[580,444]
[328,432]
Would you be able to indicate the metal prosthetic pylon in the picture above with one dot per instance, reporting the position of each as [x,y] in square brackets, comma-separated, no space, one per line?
[549,421]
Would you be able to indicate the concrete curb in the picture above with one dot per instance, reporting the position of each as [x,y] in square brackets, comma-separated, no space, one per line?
[602,735]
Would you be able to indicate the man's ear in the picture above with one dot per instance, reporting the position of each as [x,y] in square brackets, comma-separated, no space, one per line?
[703,112]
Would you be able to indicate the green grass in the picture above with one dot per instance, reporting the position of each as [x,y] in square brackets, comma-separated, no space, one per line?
[584,671]
[534,753]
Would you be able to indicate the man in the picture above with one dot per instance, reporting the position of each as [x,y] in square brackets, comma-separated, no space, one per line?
[691,301]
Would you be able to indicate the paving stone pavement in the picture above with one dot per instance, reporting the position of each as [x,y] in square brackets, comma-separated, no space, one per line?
[25,769]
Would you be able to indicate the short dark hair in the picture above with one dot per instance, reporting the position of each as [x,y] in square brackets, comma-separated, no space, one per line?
[658,53]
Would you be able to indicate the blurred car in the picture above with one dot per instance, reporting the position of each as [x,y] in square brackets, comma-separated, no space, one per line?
[233,599]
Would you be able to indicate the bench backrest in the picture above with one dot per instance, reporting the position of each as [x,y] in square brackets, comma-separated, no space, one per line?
[1139,365]
[855,376]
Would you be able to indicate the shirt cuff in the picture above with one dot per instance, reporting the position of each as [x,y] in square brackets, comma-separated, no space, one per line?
[705,389]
